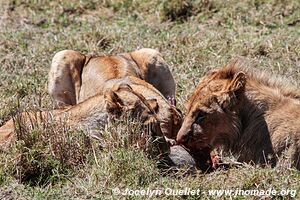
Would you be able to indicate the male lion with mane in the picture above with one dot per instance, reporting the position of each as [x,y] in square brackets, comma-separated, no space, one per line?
[247,112]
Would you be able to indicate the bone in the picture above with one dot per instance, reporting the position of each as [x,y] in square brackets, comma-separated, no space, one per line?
[181,157]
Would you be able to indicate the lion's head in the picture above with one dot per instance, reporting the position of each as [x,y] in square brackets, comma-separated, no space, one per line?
[211,117]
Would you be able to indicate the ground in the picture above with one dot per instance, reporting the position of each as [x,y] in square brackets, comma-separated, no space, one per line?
[193,36]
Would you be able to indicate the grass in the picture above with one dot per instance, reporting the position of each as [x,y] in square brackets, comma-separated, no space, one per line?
[194,36]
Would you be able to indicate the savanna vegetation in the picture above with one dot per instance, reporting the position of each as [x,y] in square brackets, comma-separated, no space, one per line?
[51,162]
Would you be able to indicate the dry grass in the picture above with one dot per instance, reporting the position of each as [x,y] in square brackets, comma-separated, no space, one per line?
[193,36]
[45,151]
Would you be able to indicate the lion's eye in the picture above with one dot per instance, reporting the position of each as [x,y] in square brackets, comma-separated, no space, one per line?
[200,118]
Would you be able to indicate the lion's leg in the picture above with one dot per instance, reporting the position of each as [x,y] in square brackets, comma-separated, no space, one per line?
[155,71]
[65,77]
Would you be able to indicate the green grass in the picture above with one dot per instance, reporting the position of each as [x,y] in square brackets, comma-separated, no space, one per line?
[193,36]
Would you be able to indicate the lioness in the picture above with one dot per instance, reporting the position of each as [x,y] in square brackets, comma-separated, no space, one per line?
[74,77]
[92,114]
[95,110]
[250,113]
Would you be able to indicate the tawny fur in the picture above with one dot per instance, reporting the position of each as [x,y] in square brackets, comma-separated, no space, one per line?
[122,95]
[248,112]
[74,77]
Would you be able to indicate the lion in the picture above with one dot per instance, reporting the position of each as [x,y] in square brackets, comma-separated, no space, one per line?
[75,77]
[96,109]
[250,113]
[95,112]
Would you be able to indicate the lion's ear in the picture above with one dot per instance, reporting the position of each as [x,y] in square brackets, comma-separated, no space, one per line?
[113,103]
[112,97]
[238,82]
[150,112]
[153,104]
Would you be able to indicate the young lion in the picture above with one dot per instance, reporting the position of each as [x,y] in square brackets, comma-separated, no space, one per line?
[255,116]
[95,110]
[74,77]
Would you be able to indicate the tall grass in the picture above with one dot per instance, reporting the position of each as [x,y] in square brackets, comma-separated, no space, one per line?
[194,36]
